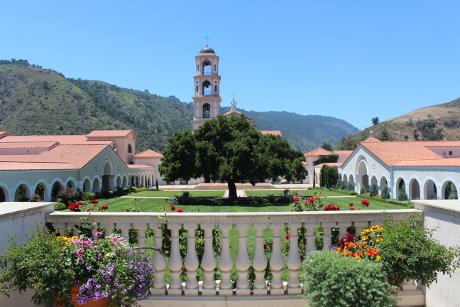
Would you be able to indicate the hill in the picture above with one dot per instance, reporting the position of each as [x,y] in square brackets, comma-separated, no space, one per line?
[437,122]
[34,100]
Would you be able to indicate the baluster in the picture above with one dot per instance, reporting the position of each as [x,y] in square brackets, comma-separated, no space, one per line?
[108,228]
[141,235]
[191,261]
[225,262]
[359,226]
[175,262]
[310,235]
[208,263]
[293,261]
[343,229]
[327,236]
[242,261]
[159,286]
[124,230]
[260,262]
[276,262]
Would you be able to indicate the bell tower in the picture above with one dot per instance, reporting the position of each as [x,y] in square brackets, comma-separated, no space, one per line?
[207,81]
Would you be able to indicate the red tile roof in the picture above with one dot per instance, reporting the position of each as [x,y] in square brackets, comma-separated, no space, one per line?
[271,132]
[3,134]
[108,133]
[61,139]
[148,154]
[318,152]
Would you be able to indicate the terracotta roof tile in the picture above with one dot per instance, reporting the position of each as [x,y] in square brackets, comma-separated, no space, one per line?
[108,133]
[61,139]
[139,166]
[318,152]
[271,132]
[32,144]
[148,154]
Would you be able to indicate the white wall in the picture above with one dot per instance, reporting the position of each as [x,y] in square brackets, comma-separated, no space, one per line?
[444,217]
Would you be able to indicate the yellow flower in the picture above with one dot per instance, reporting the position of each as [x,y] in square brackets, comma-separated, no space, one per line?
[379,258]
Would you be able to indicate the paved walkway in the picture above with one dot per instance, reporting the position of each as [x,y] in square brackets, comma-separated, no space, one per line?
[239,193]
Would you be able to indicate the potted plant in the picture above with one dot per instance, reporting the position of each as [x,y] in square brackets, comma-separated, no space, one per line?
[102,269]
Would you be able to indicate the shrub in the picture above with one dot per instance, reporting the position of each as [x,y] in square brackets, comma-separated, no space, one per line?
[402,195]
[386,193]
[88,195]
[67,196]
[332,280]
[60,206]
[374,190]
[409,252]
[351,186]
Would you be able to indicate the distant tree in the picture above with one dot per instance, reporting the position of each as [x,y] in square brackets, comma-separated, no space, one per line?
[430,130]
[230,150]
[402,195]
[385,192]
[410,122]
[384,136]
[374,190]
[327,146]
[328,176]
[347,143]
[146,91]
[416,135]
[406,137]
[375,120]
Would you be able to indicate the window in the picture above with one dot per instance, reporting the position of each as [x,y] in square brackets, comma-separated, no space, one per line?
[207,88]
[206,110]
[130,149]
[206,67]
[450,152]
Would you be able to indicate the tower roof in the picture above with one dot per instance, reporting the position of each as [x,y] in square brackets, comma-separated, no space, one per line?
[207,49]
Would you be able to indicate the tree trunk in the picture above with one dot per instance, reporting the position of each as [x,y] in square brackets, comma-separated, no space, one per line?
[231,190]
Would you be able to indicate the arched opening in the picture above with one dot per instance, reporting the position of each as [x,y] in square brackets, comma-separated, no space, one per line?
[400,186]
[118,182]
[383,183]
[40,191]
[3,195]
[22,193]
[374,183]
[57,187]
[414,189]
[130,149]
[363,176]
[107,178]
[206,88]
[133,181]
[125,182]
[149,181]
[206,67]
[70,185]
[206,110]
[86,185]
[351,179]
[430,190]
[449,190]
[96,186]
[344,178]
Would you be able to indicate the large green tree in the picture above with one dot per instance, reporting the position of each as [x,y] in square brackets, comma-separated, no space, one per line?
[230,150]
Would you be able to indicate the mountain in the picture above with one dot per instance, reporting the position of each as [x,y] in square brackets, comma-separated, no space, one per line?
[34,100]
[437,122]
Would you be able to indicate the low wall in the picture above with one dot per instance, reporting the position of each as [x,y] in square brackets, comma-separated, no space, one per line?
[444,217]
[18,220]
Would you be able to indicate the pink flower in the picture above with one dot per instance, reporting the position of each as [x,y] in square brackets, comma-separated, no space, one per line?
[99,257]
[79,251]
[98,234]
[79,260]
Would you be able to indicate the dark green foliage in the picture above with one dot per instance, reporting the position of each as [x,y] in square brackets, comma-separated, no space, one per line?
[332,158]
[375,120]
[409,252]
[351,186]
[329,176]
[452,123]
[37,265]
[429,129]
[333,280]
[230,150]
[364,190]
[243,201]
[385,192]
[327,146]
[60,206]
[384,136]
[374,190]
[402,195]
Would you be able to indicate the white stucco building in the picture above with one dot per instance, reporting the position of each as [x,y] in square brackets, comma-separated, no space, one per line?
[100,161]
[424,169]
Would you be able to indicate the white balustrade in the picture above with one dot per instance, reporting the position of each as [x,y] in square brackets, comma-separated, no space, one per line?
[295,221]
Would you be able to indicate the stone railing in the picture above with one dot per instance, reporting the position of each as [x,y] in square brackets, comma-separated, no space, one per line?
[241,222]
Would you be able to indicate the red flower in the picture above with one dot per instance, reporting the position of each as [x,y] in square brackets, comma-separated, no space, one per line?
[352,208]
[265,246]
[172,207]
[288,236]
[351,204]
[94,201]
[79,204]
[72,206]
[105,206]
[296,199]
[311,200]
[331,207]
[365,202]
[180,210]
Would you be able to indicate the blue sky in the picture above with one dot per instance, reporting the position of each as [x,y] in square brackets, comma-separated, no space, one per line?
[348,59]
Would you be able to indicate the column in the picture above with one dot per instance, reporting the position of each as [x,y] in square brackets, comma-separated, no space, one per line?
[276,262]
[260,262]
[175,262]
[293,261]
[159,286]
[327,236]
[208,263]
[191,261]
[310,236]
[225,262]
[242,261]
